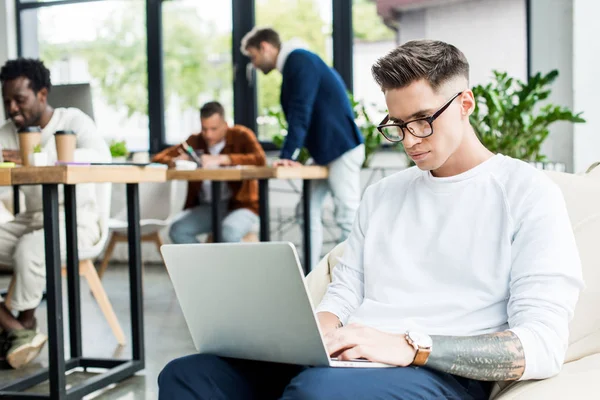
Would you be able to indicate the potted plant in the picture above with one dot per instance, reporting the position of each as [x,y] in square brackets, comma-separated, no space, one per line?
[368,129]
[510,119]
[38,158]
[118,151]
[279,138]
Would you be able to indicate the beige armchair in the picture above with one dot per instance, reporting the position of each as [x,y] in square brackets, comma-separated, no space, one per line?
[580,376]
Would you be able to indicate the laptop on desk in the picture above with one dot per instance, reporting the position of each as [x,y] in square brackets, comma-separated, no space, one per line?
[249,301]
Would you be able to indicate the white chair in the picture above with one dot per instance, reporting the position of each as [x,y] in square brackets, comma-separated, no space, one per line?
[86,265]
[159,203]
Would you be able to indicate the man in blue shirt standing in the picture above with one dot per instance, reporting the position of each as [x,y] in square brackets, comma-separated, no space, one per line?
[320,118]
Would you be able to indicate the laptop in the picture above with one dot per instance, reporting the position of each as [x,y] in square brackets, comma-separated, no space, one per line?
[249,301]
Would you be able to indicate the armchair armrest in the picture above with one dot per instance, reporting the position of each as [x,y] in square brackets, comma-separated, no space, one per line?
[578,380]
[320,277]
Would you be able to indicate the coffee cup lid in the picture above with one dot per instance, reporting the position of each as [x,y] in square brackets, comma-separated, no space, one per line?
[65,132]
[27,129]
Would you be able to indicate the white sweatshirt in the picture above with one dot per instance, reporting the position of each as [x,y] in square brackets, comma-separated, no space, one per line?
[484,251]
[91,147]
[286,49]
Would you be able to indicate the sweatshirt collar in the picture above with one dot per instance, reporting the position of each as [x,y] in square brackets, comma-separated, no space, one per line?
[286,49]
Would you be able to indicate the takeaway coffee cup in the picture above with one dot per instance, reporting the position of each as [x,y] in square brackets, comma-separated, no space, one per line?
[65,145]
[29,137]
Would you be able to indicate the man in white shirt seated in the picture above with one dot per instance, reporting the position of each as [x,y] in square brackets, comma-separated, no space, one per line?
[460,271]
[25,86]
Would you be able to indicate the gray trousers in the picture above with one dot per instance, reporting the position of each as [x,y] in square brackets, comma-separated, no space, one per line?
[344,184]
[198,220]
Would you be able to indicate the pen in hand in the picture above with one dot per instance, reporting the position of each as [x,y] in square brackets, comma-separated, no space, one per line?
[191,153]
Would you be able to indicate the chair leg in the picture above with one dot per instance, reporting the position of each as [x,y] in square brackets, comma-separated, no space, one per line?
[107,255]
[156,238]
[87,269]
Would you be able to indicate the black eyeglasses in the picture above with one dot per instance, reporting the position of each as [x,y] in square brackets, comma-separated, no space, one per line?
[420,127]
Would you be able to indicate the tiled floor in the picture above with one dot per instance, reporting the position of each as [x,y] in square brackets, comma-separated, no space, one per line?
[166,332]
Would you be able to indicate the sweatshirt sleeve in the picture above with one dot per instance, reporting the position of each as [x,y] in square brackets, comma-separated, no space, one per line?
[345,293]
[91,146]
[545,281]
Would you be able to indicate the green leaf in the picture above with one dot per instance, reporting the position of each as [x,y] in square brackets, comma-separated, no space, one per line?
[118,149]
[512,117]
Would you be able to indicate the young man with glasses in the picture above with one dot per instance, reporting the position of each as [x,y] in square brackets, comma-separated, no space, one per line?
[459,271]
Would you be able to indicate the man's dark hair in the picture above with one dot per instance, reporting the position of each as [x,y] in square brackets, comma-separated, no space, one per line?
[434,61]
[211,108]
[34,70]
[258,35]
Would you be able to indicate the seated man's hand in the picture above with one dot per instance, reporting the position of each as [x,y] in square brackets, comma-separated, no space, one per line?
[210,161]
[357,341]
[182,156]
[328,322]
[286,163]
[12,156]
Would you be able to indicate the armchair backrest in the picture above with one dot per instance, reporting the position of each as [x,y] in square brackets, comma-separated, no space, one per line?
[320,276]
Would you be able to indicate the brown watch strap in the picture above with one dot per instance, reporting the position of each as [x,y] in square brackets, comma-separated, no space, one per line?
[421,356]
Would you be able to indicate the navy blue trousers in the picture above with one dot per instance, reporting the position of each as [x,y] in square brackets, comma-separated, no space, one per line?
[201,376]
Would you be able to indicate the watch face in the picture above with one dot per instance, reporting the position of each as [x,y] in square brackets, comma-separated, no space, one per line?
[420,339]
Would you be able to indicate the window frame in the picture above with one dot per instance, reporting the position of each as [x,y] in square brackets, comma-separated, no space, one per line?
[244,87]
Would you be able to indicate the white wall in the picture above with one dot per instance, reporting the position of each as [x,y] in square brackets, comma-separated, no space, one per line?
[365,88]
[491,33]
[412,26]
[552,48]
[586,85]
[563,35]
[8,38]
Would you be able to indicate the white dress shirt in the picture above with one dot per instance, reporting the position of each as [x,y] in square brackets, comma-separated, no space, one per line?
[206,194]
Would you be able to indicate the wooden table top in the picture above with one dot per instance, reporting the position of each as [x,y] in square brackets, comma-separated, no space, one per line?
[206,174]
[73,174]
[248,172]
[308,172]
[5,177]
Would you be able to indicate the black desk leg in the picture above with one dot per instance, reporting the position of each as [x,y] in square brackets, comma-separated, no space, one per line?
[16,200]
[56,340]
[263,210]
[73,271]
[216,211]
[306,193]
[135,272]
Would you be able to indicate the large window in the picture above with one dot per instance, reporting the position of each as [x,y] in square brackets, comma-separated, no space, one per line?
[307,23]
[102,43]
[182,59]
[372,40]
[196,62]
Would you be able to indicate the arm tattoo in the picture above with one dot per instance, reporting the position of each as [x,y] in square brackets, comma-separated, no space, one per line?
[492,357]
